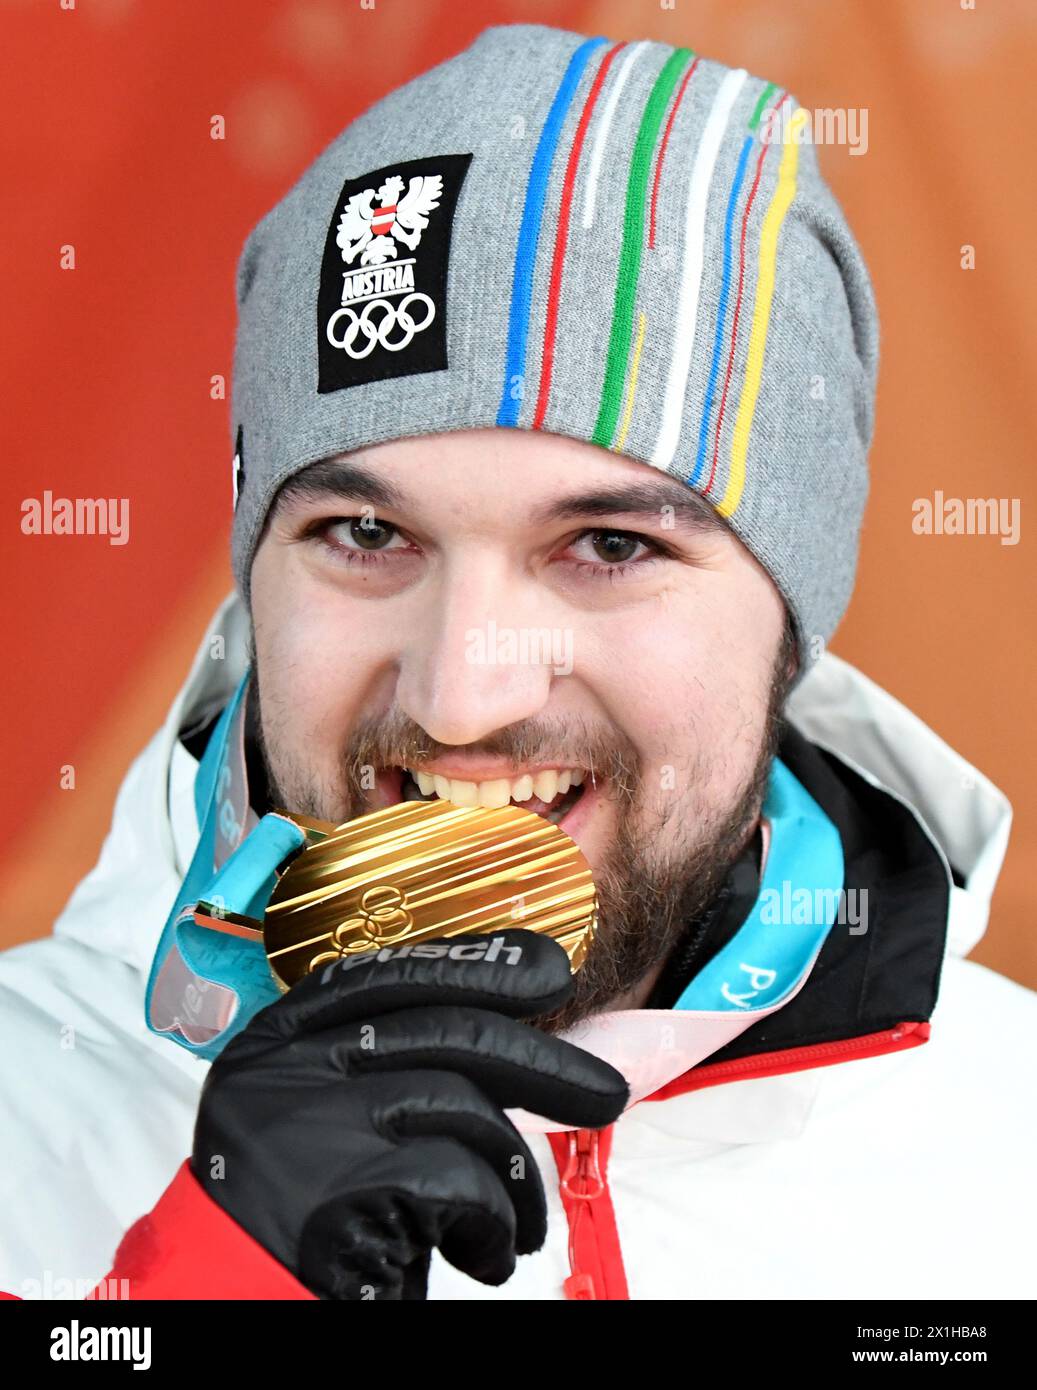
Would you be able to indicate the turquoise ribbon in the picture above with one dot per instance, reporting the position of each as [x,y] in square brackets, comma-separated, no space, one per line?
[768,956]
[201,957]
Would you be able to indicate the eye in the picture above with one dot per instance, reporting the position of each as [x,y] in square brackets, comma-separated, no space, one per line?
[614,547]
[614,553]
[366,533]
[359,540]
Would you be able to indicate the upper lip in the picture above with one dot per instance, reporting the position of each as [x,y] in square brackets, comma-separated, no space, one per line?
[484,770]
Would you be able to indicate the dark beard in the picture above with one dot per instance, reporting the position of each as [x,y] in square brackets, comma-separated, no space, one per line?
[645,901]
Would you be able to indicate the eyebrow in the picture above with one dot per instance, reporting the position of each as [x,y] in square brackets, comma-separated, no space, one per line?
[352,482]
[690,510]
[337,478]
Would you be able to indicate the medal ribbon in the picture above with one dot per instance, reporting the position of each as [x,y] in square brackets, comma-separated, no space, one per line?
[205,984]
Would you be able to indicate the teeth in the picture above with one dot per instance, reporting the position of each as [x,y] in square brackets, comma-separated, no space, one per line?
[464,793]
[500,790]
[522,788]
[545,785]
[496,793]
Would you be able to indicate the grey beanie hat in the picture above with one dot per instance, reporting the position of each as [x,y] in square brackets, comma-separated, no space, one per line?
[619,242]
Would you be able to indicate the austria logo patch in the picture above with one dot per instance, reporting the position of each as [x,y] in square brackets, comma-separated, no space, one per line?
[381,306]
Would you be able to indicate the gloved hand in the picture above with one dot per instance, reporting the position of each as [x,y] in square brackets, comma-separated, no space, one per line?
[360,1121]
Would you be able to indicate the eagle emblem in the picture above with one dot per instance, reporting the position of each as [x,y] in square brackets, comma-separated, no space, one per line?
[373,231]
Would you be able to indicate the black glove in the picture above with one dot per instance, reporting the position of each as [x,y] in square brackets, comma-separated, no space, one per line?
[360,1118]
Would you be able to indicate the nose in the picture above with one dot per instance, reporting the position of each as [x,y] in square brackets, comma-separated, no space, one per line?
[476,658]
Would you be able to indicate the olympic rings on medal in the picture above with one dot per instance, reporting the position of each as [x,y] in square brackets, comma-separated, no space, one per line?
[378,334]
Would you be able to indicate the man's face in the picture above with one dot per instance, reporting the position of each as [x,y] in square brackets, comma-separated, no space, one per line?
[505,615]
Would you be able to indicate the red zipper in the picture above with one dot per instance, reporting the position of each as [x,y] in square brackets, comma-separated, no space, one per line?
[595,1255]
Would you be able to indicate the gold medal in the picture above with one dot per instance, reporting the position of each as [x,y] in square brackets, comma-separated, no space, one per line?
[425,869]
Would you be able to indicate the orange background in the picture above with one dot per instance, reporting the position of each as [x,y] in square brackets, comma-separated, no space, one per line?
[107,369]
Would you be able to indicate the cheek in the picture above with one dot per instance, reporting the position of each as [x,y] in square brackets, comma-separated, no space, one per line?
[692,687]
[313,669]
[693,655]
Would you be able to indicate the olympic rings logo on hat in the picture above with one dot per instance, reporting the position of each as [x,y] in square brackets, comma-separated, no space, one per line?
[376,334]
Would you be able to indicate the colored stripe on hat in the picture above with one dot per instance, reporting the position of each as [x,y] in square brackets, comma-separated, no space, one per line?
[662,151]
[725,286]
[691,271]
[635,365]
[656,178]
[529,233]
[628,411]
[630,252]
[562,237]
[738,296]
[772,224]
[590,197]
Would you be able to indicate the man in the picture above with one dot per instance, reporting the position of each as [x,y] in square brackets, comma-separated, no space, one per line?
[554,385]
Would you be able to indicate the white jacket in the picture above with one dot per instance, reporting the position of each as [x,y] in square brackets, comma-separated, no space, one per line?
[886,1176]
